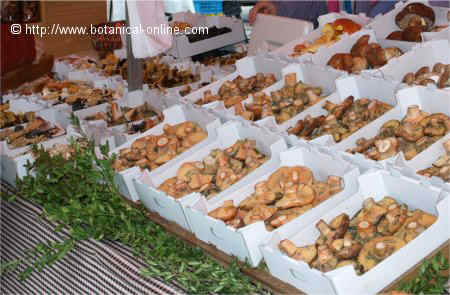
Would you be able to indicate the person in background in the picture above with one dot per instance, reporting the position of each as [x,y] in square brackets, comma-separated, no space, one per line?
[304,10]
[311,10]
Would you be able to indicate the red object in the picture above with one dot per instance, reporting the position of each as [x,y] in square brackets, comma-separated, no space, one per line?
[17,50]
[106,40]
[333,5]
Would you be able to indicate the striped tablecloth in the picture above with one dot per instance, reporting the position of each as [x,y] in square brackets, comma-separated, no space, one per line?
[92,268]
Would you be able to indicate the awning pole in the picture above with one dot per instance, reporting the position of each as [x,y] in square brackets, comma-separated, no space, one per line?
[135,69]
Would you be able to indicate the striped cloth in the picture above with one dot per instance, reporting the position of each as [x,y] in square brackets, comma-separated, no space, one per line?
[93,267]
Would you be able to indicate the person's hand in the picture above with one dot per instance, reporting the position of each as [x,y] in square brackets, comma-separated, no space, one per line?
[265,7]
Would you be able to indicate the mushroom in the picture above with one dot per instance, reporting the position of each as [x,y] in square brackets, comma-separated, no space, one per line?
[225,212]
[345,248]
[306,253]
[325,261]
[392,221]
[340,224]
[260,213]
[409,78]
[377,249]
[419,11]
[415,223]
[327,235]
[386,148]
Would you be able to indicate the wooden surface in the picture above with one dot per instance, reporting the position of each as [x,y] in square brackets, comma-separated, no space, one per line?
[70,13]
[270,282]
[26,73]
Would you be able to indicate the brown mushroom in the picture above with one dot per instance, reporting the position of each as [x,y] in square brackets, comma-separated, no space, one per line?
[377,249]
[413,10]
[325,261]
[340,224]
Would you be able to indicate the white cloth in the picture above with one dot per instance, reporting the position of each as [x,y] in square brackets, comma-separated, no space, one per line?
[145,18]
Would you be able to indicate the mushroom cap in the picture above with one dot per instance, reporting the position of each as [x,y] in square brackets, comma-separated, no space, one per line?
[368,257]
[348,26]
[402,19]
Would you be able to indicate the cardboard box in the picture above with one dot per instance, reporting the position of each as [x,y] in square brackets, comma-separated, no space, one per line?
[359,86]
[99,131]
[431,101]
[287,49]
[174,115]
[246,67]
[13,160]
[244,242]
[14,165]
[423,54]
[385,24]
[344,280]
[266,30]
[21,104]
[174,209]
[346,43]
[183,48]
[422,161]
[53,116]
[323,77]
[442,35]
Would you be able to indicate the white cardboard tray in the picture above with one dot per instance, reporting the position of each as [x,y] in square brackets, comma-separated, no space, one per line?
[422,161]
[344,280]
[385,24]
[14,165]
[287,49]
[174,115]
[50,115]
[314,75]
[431,101]
[183,48]
[243,243]
[359,86]
[174,209]
[246,67]
[272,31]
[345,45]
[99,131]
[423,54]
[442,35]
[23,105]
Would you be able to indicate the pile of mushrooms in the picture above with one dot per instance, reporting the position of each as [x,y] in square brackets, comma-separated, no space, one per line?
[363,56]
[226,60]
[67,150]
[235,91]
[152,151]
[10,119]
[441,167]
[35,131]
[161,75]
[378,230]
[79,95]
[34,86]
[283,104]
[288,193]
[112,65]
[216,172]
[412,135]
[413,20]
[342,120]
[144,125]
[119,115]
[439,76]
[331,33]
